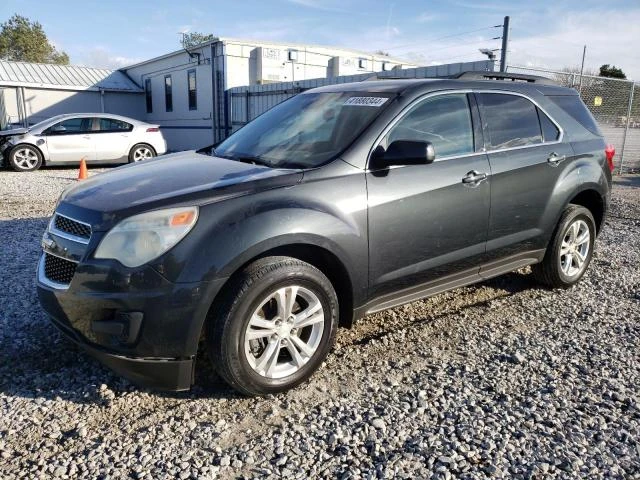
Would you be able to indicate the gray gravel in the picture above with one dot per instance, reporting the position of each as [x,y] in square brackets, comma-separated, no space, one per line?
[500,380]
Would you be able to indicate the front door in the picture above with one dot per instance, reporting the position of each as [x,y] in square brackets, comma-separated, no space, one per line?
[70,140]
[427,222]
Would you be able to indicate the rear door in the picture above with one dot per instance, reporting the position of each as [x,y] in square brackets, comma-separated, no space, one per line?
[527,158]
[112,139]
[425,221]
[70,140]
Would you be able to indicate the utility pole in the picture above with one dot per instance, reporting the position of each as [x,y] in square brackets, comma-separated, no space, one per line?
[505,44]
[584,54]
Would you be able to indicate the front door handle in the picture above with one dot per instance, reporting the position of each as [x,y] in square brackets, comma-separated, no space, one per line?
[474,178]
[86,137]
[555,159]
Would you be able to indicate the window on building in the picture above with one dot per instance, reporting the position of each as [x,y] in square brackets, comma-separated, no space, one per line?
[168,94]
[148,95]
[510,120]
[193,97]
[444,120]
[113,125]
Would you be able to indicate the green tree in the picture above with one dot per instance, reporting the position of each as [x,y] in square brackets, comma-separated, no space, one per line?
[22,40]
[611,71]
[193,39]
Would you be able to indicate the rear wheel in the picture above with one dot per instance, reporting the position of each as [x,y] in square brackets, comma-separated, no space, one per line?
[570,250]
[273,327]
[25,158]
[140,152]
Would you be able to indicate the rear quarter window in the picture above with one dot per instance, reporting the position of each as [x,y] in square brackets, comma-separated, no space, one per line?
[573,106]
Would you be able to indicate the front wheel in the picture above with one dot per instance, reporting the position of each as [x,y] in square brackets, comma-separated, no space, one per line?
[273,327]
[570,251]
[141,152]
[25,158]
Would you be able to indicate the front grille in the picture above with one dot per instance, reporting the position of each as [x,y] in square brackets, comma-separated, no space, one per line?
[58,269]
[72,227]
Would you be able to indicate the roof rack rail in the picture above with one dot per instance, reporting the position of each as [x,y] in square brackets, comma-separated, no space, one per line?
[509,77]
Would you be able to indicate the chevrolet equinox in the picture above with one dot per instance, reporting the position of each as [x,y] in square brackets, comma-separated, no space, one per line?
[341,201]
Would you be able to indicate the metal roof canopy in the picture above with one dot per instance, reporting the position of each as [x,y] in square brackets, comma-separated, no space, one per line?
[64,77]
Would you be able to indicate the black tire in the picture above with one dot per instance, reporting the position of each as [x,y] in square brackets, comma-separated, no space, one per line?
[20,163]
[229,319]
[549,272]
[140,147]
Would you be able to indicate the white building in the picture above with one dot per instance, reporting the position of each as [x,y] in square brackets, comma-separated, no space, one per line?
[185,91]
[32,92]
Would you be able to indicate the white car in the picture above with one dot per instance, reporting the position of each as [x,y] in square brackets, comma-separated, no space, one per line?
[66,139]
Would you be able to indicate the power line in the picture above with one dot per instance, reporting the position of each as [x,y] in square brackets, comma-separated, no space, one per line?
[435,39]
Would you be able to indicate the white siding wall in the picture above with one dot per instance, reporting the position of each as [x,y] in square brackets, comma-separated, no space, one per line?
[182,128]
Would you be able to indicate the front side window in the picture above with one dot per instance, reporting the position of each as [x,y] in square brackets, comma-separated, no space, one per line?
[168,94]
[305,131]
[148,95]
[444,120]
[509,121]
[113,125]
[192,92]
[71,126]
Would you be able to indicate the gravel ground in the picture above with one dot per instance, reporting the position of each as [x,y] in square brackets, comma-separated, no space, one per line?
[501,380]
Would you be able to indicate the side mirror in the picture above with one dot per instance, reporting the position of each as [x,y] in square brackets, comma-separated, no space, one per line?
[408,152]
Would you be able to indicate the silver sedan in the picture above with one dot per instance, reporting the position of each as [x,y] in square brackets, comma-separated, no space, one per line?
[67,139]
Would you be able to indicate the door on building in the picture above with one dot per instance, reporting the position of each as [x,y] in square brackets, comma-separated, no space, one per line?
[70,140]
[112,139]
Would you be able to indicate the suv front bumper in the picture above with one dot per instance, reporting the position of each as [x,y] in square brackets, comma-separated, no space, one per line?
[148,335]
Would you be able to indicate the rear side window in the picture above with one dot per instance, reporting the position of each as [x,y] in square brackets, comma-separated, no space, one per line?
[509,120]
[444,120]
[572,105]
[550,132]
[113,125]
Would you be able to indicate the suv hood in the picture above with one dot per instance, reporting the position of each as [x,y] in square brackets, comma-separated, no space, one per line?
[176,179]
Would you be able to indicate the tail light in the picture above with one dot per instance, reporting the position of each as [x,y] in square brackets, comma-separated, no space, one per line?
[610,152]
[153,129]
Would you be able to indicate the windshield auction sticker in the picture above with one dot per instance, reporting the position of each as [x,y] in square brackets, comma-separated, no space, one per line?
[366,101]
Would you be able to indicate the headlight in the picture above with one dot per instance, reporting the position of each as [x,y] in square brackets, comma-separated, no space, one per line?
[141,238]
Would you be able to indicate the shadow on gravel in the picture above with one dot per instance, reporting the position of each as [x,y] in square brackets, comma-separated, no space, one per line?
[39,362]
[512,283]
[630,181]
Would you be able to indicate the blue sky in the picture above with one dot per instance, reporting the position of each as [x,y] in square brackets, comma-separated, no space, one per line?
[545,33]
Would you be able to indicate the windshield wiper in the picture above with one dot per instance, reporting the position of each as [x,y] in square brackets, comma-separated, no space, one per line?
[253,159]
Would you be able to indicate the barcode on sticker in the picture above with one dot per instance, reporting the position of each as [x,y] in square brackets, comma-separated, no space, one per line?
[366,101]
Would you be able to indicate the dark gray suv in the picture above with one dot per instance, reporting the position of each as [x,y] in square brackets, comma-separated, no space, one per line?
[339,202]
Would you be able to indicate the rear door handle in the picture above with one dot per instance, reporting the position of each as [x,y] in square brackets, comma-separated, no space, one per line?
[555,159]
[474,178]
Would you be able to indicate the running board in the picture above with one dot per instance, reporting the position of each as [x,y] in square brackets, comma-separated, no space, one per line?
[450,282]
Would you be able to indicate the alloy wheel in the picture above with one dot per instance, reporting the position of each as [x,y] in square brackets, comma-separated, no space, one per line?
[574,250]
[25,158]
[284,332]
[142,153]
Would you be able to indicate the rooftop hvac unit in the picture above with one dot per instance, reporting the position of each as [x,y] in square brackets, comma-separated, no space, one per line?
[344,66]
[270,65]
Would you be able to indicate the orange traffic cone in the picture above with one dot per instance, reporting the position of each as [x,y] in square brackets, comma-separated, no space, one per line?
[82,174]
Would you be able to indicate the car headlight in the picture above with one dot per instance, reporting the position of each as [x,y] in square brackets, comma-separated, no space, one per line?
[142,238]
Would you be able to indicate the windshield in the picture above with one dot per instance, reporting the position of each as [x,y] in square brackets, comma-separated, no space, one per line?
[305,131]
[46,122]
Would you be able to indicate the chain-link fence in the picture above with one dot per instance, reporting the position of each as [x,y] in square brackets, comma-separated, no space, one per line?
[614,103]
